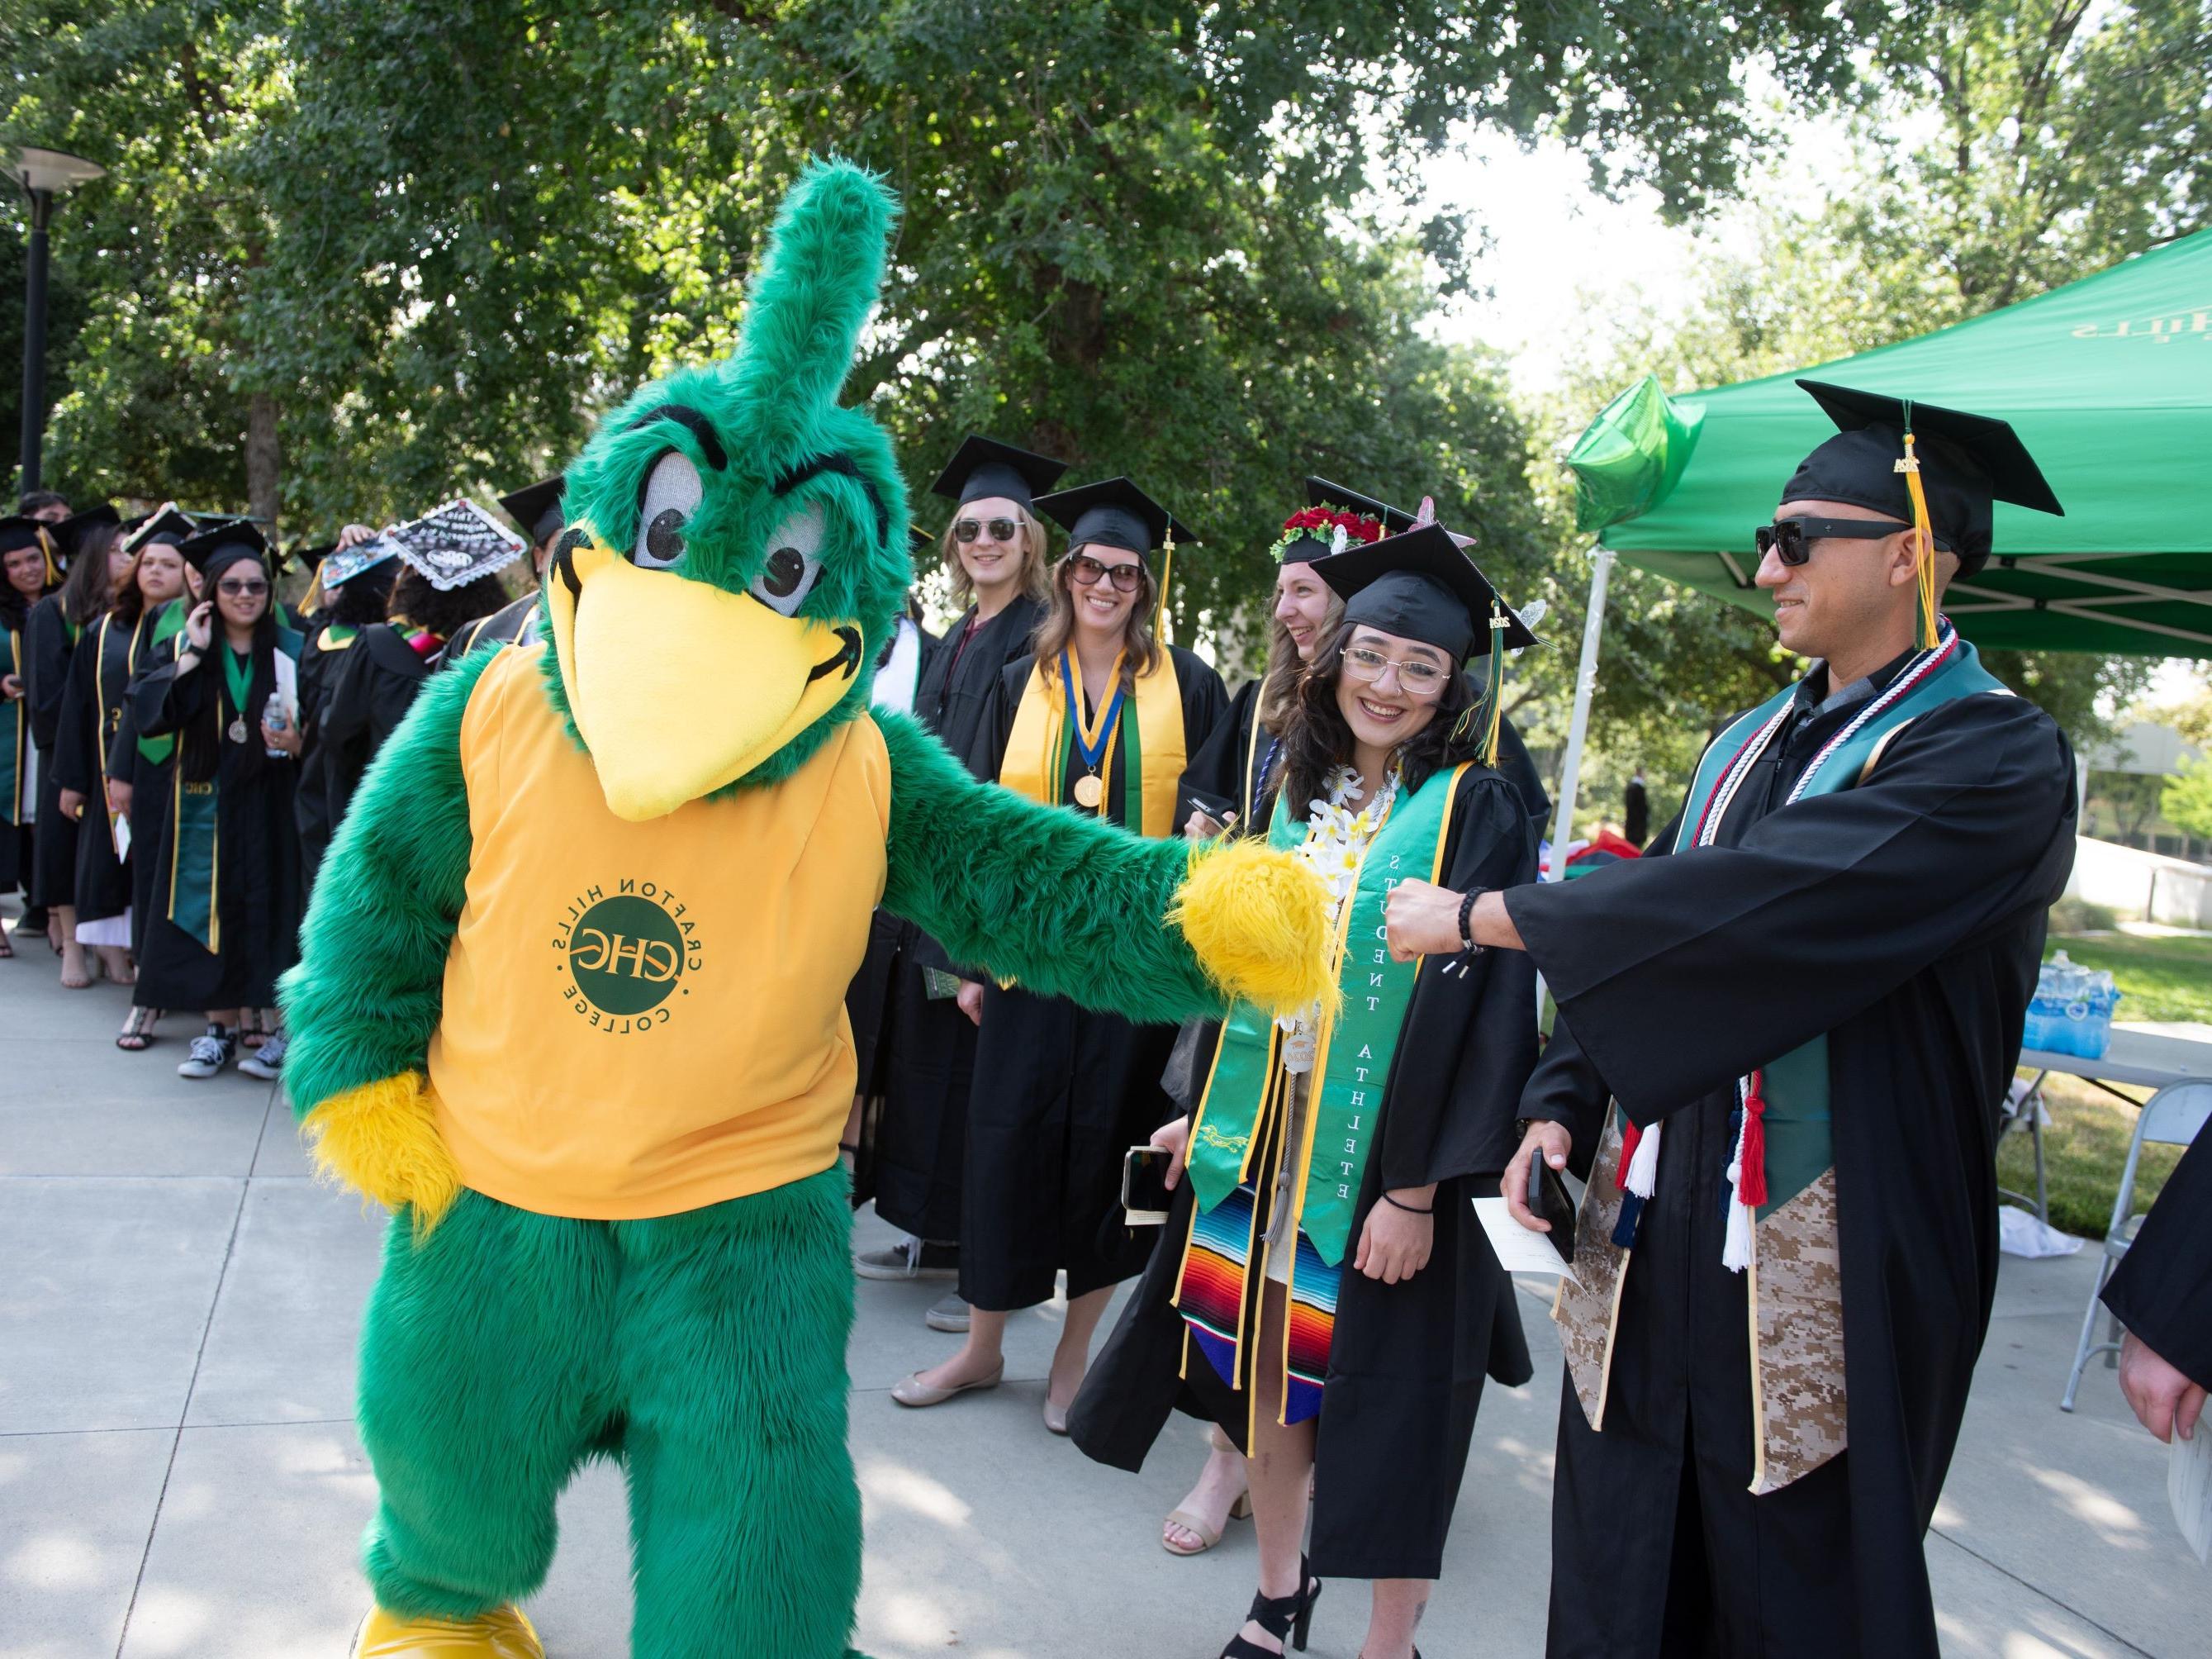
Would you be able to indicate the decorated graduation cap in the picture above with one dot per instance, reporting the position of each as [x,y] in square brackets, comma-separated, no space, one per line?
[378,553]
[983,467]
[214,550]
[1938,470]
[1418,585]
[537,508]
[456,543]
[1333,519]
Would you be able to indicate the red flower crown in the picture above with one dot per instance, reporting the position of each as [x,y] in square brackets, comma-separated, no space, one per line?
[1319,523]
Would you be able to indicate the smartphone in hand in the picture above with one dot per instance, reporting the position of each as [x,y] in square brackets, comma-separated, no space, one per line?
[1145,1194]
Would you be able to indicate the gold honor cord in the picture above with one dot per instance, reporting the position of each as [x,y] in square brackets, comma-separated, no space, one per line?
[1096,737]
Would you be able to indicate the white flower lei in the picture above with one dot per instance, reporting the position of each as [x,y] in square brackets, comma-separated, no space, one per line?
[1336,840]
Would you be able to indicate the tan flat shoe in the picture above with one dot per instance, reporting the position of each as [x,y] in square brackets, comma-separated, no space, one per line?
[1055,1417]
[1239,1510]
[911,1390]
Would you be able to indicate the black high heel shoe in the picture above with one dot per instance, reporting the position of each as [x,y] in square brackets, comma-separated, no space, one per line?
[1285,1618]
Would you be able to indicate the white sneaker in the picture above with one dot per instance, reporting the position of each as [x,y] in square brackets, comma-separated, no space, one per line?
[266,1062]
[211,1052]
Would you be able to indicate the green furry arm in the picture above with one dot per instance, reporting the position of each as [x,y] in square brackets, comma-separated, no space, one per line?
[365,998]
[1066,905]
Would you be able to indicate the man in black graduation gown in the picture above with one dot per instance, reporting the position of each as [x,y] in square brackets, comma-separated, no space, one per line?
[921,1135]
[1888,916]
[2162,1293]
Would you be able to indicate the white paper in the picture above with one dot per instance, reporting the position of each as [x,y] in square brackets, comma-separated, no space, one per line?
[2189,1488]
[1518,1250]
[118,830]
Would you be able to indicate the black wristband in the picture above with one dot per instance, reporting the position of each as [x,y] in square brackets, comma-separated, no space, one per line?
[1408,1208]
[1467,920]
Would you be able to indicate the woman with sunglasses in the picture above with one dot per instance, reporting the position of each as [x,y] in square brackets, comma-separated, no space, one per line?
[920,1057]
[23,571]
[226,859]
[123,778]
[1100,720]
[1321,1261]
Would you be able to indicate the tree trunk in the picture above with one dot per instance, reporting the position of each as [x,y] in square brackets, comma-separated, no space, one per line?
[265,458]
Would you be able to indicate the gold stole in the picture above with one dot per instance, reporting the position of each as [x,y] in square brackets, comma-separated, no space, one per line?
[1036,761]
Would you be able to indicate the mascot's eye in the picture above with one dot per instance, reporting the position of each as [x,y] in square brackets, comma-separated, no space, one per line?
[672,491]
[788,576]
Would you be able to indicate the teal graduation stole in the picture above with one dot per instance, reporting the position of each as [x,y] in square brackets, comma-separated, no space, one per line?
[167,626]
[196,814]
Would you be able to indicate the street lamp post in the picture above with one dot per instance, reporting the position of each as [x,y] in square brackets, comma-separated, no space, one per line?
[42,174]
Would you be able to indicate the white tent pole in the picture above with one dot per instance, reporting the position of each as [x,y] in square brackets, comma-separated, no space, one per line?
[1563,818]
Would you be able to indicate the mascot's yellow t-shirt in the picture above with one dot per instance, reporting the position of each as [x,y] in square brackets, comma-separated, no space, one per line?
[644,1018]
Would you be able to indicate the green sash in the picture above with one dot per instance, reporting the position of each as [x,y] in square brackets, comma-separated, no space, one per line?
[195,840]
[167,626]
[1353,1060]
[1800,1148]
[14,734]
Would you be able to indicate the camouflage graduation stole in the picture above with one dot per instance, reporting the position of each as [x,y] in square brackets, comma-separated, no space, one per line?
[1782,1223]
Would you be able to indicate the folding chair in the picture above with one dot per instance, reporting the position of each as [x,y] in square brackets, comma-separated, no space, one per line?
[2172,1117]
[2022,1108]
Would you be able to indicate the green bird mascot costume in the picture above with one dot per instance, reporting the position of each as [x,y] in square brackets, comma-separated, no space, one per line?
[570,998]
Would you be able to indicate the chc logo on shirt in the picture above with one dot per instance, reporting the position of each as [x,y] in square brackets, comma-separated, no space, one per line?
[625,954]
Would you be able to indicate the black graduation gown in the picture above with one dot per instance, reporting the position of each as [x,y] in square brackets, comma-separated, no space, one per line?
[258,891]
[921,1136]
[102,663]
[502,627]
[49,646]
[2162,1289]
[1904,918]
[370,693]
[868,997]
[151,783]
[1060,1093]
[320,659]
[16,839]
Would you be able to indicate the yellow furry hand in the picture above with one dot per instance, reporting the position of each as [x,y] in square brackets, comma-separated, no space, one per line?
[1258,921]
[382,1140]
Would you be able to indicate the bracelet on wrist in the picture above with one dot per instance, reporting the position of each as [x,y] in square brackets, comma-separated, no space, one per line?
[1408,1208]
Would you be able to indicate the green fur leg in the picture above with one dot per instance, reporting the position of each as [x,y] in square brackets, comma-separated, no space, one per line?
[709,1345]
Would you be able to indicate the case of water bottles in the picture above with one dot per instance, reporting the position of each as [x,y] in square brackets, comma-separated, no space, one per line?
[2072,1013]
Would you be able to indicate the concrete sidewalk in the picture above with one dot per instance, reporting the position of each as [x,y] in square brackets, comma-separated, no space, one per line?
[179,1475]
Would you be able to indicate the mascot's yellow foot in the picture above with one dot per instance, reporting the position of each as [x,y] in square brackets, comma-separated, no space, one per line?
[1258,921]
[503,1634]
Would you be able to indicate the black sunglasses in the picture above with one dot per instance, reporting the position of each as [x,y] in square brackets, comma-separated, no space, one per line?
[242,587]
[968,530]
[1792,539]
[1085,570]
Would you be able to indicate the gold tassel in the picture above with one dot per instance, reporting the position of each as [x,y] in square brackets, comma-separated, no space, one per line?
[1167,574]
[1924,537]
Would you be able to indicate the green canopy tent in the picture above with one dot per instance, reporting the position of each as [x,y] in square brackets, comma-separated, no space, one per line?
[2108,381]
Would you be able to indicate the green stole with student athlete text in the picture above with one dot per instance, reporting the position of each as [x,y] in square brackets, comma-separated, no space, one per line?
[196,811]
[1796,1265]
[1355,1043]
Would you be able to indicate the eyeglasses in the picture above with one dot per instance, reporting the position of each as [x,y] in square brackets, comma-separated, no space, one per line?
[1417,677]
[972,530]
[241,588]
[1791,540]
[1085,571]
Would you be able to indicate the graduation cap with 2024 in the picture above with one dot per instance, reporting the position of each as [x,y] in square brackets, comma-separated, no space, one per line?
[1419,585]
[983,468]
[1967,462]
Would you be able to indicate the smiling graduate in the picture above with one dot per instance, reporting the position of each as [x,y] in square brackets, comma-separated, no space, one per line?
[571,997]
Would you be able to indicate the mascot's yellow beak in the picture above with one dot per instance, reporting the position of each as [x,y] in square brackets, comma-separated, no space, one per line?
[678,687]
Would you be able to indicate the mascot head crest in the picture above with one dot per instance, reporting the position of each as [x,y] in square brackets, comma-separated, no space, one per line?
[736,548]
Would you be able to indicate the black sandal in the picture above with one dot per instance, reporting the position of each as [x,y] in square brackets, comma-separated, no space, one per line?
[137,1031]
[1285,1618]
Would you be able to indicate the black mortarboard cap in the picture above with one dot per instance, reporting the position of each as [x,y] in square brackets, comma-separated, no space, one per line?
[983,467]
[1114,512]
[537,508]
[71,531]
[168,522]
[1419,585]
[918,540]
[17,531]
[1965,462]
[213,551]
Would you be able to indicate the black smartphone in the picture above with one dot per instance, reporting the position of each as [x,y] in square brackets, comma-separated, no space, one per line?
[1217,807]
[1145,1194]
[1549,1202]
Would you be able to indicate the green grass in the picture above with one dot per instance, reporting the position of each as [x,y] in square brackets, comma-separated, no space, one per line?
[2083,1152]
[2159,978]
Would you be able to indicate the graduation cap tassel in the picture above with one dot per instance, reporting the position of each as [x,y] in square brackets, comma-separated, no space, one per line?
[1167,574]
[1746,1174]
[1923,535]
[1495,690]
[54,562]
